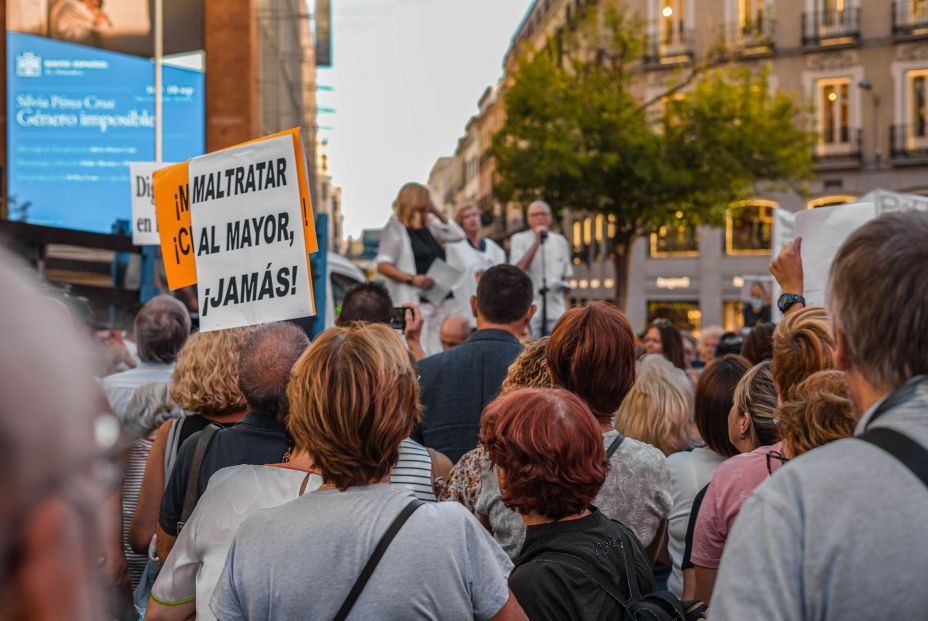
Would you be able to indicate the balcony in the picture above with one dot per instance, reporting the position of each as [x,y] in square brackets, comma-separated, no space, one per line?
[668,49]
[831,28]
[910,19]
[908,143]
[753,38]
[840,150]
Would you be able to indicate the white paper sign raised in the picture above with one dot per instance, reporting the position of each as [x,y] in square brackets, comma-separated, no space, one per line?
[247,231]
[144,222]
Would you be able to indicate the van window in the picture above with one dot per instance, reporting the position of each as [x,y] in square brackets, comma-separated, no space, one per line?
[340,285]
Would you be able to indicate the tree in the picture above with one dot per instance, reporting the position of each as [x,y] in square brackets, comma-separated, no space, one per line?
[576,134]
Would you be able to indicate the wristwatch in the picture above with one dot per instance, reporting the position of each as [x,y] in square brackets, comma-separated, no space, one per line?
[788,299]
[410,280]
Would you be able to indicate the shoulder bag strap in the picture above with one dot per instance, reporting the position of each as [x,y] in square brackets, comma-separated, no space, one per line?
[193,477]
[170,448]
[912,455]
[374,560]
[614,446]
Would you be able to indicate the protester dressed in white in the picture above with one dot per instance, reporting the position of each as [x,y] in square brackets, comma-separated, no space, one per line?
[472,257]
[526,250]
[409,244]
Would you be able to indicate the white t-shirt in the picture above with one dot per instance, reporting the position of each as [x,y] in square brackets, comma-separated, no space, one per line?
[195,563]
[558,267]
[689,472]
[472,262]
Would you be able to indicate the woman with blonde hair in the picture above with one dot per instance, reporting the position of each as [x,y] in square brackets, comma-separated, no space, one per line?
[658,409]
[411,241]
[472,256]
[802,345]
[353,399]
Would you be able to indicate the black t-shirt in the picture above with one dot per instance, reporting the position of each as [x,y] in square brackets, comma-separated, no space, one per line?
[554,591]
[425,248]
[256,440]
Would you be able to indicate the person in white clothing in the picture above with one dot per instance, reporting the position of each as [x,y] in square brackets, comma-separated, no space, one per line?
[526,250]
[411,241]
[472,256]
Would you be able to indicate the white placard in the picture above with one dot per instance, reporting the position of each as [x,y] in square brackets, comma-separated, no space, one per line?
[445,277]
[823,230]
[886,201]
[246,226]
[144,222]
[783,222]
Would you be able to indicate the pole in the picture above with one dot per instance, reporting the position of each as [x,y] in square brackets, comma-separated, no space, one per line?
[544,287]
[159,98]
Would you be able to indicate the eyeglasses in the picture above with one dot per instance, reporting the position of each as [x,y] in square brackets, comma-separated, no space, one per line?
[775,456]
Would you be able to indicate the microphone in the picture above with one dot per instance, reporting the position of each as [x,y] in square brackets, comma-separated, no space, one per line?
[544,236]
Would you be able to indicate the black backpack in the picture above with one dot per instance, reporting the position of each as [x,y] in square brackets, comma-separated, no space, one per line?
[657,606]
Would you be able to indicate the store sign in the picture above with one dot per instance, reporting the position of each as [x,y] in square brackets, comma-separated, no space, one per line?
[671,283]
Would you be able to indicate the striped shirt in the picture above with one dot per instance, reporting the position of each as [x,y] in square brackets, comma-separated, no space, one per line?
[413,470]
[131,485]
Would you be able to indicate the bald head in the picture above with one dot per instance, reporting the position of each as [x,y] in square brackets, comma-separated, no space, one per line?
[454,331]
[267,358]
[161,328]
[538,215]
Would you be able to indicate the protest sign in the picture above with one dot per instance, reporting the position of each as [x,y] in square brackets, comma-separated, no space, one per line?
[823,230]
[144,222]
[885,201]
[783,223]
[248,236]
[172,207]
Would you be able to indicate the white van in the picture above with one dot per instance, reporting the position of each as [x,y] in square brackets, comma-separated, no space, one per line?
[342,276]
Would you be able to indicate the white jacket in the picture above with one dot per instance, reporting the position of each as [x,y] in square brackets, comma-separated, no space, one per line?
[396,249]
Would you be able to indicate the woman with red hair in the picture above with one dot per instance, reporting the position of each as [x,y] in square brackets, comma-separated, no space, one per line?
[547,448]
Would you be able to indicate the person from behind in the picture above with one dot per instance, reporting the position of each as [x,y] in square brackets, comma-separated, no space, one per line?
[690,471]
[471,256]
[662,338]
[371,302]
[826,552]
[819,411]
[752,429]
[458,383]
[454,331]
[353,399]
[162,326]
[56,451]
[659,407]
[411,241]
[205,386]
[547,448]
[264,366]
[546,257]
[802,345]
[758,343]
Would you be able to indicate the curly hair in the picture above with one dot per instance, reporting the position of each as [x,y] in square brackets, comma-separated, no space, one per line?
[548,450]
[756,396]
[353,399]
[205,380]
[658,408]
[802,345]
[819,411]
[529,369]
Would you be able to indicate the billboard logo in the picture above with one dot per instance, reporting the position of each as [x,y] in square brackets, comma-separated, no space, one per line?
[28,65]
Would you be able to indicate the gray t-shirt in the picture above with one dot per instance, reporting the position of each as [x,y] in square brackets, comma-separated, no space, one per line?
[299,560]
[636,492]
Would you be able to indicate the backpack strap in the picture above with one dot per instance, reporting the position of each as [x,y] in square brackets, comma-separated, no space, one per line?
[616,443]
[587,569]
[910,453]
[374,560]
[170,448]
[193,477]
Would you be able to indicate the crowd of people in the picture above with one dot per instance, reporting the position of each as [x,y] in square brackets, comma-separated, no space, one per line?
[493,468]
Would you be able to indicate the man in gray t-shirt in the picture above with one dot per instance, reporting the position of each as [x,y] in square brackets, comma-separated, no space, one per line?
[299,560]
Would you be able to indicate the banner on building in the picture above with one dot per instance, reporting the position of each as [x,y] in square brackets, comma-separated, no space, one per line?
[144,221]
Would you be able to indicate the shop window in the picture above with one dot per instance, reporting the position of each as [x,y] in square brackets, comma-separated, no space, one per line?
[678,239]
[684,315]
[749,228]
[732,317]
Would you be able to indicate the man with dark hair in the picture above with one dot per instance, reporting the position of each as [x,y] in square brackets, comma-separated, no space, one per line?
[265,362]
[162,326]
[458,383]
[835,534]
[371,302]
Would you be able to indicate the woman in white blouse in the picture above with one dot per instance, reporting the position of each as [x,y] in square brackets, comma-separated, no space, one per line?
[472,256]
[410,243]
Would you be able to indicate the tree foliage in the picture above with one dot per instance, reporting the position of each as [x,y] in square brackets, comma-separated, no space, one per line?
[578,133]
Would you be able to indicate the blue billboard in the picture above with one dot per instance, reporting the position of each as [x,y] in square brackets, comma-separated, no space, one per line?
[76,116]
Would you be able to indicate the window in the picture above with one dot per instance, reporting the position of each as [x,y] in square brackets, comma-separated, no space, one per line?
[829,201]
[749,228]
[672,25]
[751,18]
[678,239]
[683,315]
[917,130]
[833,117]
[732,317]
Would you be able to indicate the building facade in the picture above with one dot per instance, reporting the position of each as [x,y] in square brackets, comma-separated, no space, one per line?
[861,66]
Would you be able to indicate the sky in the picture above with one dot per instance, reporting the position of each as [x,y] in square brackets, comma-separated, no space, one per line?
[405,79]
